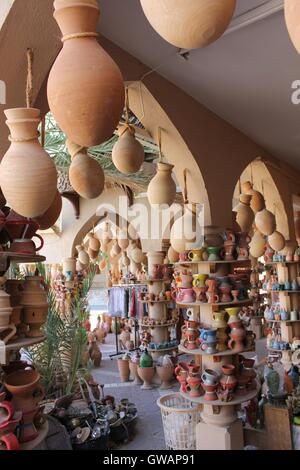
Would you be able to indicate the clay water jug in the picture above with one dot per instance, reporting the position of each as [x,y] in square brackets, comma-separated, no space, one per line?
[190,24]
[48,219]
[136,255]
[85,173]
[125,260]
[257,203]
[28,175]
[292,13]
[173,256]
[265,222]
[116,249]
[244,213]
[85,86]
[162,188]
[276,241]
[94,243]
[83,256]
[257,244]
[128,154]
[186,232]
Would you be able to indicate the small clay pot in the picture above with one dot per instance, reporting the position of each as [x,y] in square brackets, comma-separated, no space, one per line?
[123,366]
[146,374]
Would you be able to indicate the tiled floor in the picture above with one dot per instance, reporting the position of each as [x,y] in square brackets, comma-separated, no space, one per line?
[149,430]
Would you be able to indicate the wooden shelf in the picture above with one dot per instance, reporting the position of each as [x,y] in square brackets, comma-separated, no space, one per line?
[162,350]
[201,263]
[283,321]
[22,258]
[199,352]
[165,325]
[237,400]
[157,301]
[282,262]
[23,343]
[279,350]
[220,304]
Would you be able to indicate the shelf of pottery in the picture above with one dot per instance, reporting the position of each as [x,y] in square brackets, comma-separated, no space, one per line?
[213,284]
[23,311]
[282,314]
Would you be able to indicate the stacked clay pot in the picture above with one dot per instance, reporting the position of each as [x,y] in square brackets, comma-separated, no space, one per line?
[28,175]
[190,24]
[85,173]
[35,305]
[85,86]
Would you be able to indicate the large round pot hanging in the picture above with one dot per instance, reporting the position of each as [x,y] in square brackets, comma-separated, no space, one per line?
[128,154]
[244,213]
[85,86]
[162,188]
[265,222]
[189,24]
[257,203]
[28,176]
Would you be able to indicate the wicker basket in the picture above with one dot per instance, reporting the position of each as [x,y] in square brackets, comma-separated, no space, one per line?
[179,417]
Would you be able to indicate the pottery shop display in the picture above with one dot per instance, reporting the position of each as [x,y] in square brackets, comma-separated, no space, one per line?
[128,153]
[191,24]
[186,232]
[85,173]
[162,188]
[244,213]
[27,393]
[85,86]
[28,175]
[48,219]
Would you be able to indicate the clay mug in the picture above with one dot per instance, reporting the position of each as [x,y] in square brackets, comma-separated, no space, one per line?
[209,336]
[208,348]
[26,245]
[186,295]
[192,315]
[212,298]
[20,227]
[184,256]
[194,386]
[195,255]
[213,253]
[210,377]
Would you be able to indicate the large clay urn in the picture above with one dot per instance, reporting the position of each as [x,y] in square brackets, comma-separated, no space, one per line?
[257,203]
[146,374]
[85,86]
[265,222]
[162,188]
[257,245]
[48,219]
[128,154]
[28,175]
[292,15]
[244,213]
[276,241]
[189,24]
[85,173]
[123,366]
[186,232]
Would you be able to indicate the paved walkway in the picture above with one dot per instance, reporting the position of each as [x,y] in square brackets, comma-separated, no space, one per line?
[149,429]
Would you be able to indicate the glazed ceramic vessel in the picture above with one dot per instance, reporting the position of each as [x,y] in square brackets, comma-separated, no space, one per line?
[190,25]
[162,188]
[85,86]
[28,176]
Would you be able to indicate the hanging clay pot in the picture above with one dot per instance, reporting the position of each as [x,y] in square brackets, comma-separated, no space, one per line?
[94,243]
[125,260]
[136,255]
[257,245]
[123,241]
[93,255]
[173,256]
[102,264]
[189,24]
[128,154]
[28,175]
[85,86]
[276,241]
[257,203]
[105,235]
[292,15]
[83,257]
[85,173]
[69,268]
[244,213]
[79,266]
[162,188]
[297,227]
[186,232]
[51,215]
[265,222]
[116,249]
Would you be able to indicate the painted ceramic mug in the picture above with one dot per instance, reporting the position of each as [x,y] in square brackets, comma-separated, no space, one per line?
[210,377]
[26,246]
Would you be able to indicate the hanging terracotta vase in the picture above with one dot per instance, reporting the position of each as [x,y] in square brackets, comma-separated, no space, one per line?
[83,256]
[173,256]
[94,243]
[297,227]
[244,213]
[265,222]
[105,235]
[85,174]
[162,188]
[125,260]
[123,241]
[190,24]
[186,232]
[257,203]
[276,241]
[28,175]
[257,245]
[93,255]
[102,264]
[292,15]
[128,154]
[136,255]
[51,215]
[116,249]
[85,86]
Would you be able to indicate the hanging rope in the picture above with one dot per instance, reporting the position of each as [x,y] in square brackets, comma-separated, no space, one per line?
[43,131]
[240,187]
[126,105]
[159,145]
[251,169]
[185,197]
[29,83]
